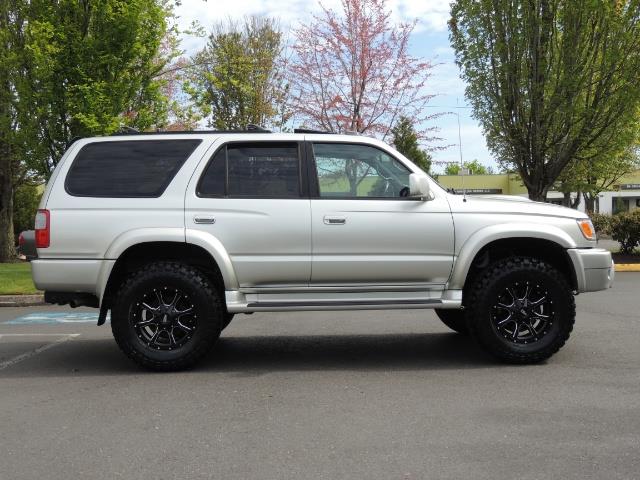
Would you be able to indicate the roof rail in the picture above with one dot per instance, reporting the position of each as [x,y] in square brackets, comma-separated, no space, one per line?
[188,132]
[309,130]
[127,129]
[257,128]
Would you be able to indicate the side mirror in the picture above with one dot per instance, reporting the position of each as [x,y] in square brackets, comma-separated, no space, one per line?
[419,186]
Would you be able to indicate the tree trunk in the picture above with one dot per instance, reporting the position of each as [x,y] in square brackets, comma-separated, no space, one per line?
[566,199]
[7,242]
[537,195]
[576,203]
[589,203]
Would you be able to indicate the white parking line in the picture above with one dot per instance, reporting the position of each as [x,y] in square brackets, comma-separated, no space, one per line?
[12,361]
[37,334]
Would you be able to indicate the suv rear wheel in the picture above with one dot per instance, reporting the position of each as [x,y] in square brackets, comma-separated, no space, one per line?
[521,310]
[167,315]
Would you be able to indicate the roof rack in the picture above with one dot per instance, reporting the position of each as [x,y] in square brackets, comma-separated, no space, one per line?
[188,132]
[310,130]
[257,128]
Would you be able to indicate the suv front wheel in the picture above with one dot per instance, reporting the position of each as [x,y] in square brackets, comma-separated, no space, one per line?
[521,310]
[167,315]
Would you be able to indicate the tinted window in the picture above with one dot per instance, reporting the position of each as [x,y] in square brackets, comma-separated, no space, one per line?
[213,180]
[352,171]
[254,170]
[142,168]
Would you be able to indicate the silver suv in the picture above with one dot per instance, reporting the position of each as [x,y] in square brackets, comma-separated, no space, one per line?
[176,233]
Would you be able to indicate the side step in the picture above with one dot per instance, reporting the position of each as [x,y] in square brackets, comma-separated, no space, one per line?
[240,302]
[343,303]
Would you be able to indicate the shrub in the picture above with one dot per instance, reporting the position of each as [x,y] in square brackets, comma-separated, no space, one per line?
[625,228]
[25,205]
[602,223]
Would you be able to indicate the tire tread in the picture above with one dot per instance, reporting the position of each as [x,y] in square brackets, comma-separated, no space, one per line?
[505,267]
[191,274]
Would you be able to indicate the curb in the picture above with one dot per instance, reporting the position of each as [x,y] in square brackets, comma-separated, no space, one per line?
[21,300]
[627,267]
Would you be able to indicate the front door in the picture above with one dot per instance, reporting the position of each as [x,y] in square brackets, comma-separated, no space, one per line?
[250,198]
[366,231]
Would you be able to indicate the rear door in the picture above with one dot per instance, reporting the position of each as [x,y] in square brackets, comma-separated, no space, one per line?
[252,197]
[366,231]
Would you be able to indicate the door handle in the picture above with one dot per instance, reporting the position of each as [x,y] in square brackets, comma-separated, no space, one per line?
[203,219]
[330,220]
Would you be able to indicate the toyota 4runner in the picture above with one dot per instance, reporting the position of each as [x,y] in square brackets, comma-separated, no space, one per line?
[176,233]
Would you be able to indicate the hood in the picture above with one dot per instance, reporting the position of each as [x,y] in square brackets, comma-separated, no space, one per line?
[511,204]
[509,198]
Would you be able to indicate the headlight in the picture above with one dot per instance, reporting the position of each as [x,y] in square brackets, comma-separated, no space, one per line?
[586,227]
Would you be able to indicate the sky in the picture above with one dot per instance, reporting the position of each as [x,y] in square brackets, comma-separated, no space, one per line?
[429,41]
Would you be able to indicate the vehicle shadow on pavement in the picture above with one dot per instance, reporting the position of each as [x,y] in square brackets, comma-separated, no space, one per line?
[428,351]
[258,355]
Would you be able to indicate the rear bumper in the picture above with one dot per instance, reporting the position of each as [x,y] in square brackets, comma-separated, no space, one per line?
[594,268]
[66,275]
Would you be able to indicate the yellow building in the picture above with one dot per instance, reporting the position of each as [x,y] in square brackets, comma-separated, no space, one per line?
[624,196]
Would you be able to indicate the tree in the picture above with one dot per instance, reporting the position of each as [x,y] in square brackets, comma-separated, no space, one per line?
[238,78]
[72,68]
[26,198]
[474,167]
[7,118]
[590,177]
[551,81]
[85,68]
[352,71]
[405,139]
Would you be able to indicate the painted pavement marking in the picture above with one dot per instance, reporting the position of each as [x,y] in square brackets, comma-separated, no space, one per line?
[65,337]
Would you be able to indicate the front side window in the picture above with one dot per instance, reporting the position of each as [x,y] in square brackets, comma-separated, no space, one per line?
[136,168]
[358,171]
[270,170]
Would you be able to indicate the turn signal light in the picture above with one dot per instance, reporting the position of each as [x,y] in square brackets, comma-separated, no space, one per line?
[586,227]
[43,229]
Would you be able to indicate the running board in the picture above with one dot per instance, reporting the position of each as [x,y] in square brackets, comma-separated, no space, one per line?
[237,302]
[346,303]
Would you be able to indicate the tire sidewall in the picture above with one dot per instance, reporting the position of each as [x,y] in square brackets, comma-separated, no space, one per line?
[480,323]
[207,309]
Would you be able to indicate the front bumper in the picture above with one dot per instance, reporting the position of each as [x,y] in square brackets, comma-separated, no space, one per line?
[593,267]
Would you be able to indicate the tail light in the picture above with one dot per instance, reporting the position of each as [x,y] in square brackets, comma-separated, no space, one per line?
[43,229]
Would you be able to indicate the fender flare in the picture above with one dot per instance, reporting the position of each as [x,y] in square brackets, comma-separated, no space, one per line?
[215,248]
[206,241]
[481,238]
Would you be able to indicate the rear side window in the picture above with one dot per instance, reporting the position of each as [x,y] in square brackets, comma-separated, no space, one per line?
[140,168]
[269,170]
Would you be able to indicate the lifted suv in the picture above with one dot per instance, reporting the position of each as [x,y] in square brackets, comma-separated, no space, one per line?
[176,233]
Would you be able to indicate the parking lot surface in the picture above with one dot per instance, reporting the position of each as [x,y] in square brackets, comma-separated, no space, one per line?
[338,395]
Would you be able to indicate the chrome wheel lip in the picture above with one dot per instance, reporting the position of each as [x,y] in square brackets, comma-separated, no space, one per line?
[164,318]
[523,312]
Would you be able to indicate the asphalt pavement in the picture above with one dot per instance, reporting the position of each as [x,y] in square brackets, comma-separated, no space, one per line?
[339,395]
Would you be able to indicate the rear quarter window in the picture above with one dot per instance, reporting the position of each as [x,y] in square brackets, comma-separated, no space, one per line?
[137,168]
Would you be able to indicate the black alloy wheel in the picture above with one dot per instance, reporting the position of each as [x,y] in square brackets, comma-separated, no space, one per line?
[167,315]
[520,310]
[523,312]
[164,318]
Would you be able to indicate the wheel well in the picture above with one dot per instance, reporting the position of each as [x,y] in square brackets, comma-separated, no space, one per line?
[142,254]
[544,250]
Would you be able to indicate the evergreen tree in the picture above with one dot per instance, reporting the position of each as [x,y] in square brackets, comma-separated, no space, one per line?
[405,140]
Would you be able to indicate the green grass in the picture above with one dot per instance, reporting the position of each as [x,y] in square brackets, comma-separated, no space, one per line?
[15,279]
